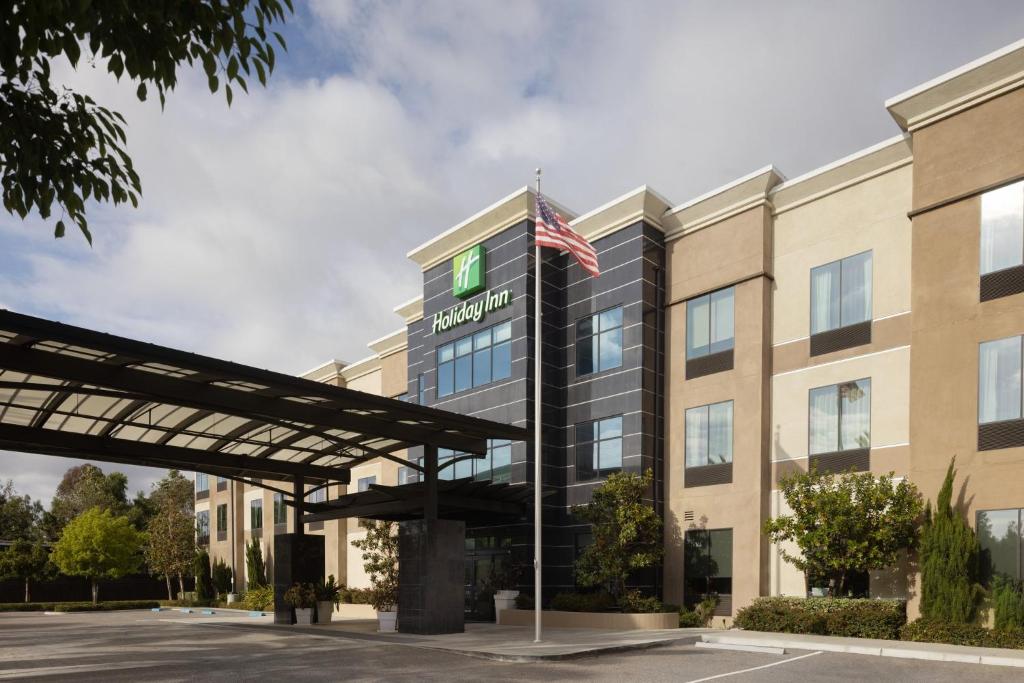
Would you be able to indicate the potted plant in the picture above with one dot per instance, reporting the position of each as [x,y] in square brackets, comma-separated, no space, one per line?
[503,580]
[303,599]
[380,561]
[328,594]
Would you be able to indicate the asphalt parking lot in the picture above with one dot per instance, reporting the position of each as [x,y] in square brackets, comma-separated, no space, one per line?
[169,646]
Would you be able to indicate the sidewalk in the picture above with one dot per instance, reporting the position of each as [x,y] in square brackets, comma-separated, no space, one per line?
[865,646]
[511,643]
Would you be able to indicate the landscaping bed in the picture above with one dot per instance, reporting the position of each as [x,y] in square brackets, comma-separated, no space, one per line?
[849,617]
[610,620]
[77,606]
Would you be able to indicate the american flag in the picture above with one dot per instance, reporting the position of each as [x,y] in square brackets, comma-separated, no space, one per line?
[553,231]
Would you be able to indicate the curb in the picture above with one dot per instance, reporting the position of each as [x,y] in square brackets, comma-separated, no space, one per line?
[921,651]
[477,654]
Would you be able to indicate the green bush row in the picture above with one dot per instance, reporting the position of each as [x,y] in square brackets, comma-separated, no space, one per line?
[849,617]
[354,596]
[583,602]
[926,631]
[77,606]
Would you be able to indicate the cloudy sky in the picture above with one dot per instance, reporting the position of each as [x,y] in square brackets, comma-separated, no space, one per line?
[273,233]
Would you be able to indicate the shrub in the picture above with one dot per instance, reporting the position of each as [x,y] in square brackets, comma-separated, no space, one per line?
[105,606]
[329,590]
[705,609]
[949,561]
[26,606]
[850,617]
[1008,604]
[779,616]
[221,576]
[635,602]
[867,619]
[931,631]
[689,619]
[204,582]
[583,602]
[259,599]
[524,601]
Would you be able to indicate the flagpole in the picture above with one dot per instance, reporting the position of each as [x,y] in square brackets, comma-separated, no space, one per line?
[538,595]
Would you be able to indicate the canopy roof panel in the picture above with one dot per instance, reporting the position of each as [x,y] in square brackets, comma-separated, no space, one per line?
[74,392]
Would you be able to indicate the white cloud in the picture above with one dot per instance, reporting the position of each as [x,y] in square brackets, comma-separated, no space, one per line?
[273,233]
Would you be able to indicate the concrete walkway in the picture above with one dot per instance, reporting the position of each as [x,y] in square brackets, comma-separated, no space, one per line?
[865,646]
[511,643]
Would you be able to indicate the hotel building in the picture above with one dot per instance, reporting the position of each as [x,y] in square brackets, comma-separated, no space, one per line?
[867,315]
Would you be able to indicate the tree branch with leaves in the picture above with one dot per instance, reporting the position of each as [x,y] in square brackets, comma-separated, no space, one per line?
[59,148]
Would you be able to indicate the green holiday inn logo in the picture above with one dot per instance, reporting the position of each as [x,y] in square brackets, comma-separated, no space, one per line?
[468,270]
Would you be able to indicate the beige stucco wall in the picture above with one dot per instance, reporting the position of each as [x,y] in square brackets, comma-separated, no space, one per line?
[963,154]
[890,395]
[740,505]
[976,148]
[869,215]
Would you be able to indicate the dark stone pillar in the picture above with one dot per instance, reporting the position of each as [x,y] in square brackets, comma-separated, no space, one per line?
[298,558]
[431,576]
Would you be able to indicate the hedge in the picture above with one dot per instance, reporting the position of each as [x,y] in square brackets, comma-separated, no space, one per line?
[77,606]
[850,617]
[925,631]
[583,602]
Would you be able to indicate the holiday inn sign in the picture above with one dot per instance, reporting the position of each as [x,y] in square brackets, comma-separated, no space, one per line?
[469,276]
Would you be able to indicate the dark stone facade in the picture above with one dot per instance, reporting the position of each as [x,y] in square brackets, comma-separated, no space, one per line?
[632,262]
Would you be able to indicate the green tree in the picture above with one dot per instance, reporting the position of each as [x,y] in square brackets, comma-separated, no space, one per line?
[84,487]
[255,569]
[626,531]
[60,147]
[221,575]
[949,559]
[27,561]
[98,545]
[845,524]
[20,516]
[380,561]
[171,546]
[204,581]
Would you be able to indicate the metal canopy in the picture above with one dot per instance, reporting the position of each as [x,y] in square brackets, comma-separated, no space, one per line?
[73,392]
[463,499]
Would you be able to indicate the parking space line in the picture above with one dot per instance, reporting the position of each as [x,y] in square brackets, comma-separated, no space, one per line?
[755,668]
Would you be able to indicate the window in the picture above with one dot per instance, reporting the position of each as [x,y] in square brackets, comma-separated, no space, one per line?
[599,342]
[999,380]
[841,293]
[709,323]
[203,527]
[1002,228]
[707,567]
[363,483]
[999,533]
[202,482]
[598,448]
[256,514]
[408,475]
[709,435]
[222,484]
[222,518]
[317,496]
[280,511]
[474,360]
[421,389]
[840,417]
[495,466]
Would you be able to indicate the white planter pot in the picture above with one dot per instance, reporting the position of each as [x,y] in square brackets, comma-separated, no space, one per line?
[504,600]
[303,616]
[324,610]
[232,597]
[386,621]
